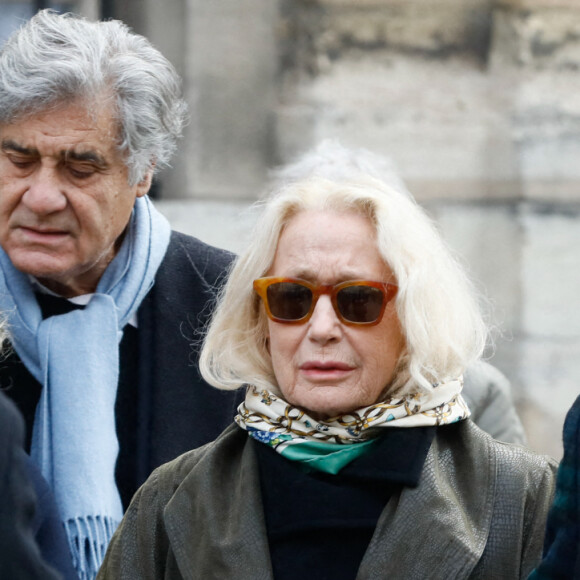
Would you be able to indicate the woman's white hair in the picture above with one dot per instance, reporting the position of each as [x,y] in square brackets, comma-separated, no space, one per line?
[436,304]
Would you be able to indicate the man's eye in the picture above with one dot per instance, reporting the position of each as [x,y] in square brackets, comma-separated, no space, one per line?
[21,162]
[81,172]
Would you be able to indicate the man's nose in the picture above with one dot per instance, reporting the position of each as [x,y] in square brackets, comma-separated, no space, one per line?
[324,324]
[44,194]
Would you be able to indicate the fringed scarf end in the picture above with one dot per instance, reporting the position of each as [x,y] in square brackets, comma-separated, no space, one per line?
[88,539]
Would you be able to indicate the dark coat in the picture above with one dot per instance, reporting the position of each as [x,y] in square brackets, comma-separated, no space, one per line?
[172,410]
[562,548]
[178,410]
[478,512]
[20,556]
[49,532]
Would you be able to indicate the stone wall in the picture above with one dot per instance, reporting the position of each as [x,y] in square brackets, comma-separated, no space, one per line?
[476,101]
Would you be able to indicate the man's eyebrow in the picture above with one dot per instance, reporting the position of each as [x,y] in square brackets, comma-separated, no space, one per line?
[69,154]
[10,145]
[85,156]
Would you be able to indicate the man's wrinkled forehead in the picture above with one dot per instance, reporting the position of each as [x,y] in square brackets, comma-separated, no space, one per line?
[96,106]
[96,139]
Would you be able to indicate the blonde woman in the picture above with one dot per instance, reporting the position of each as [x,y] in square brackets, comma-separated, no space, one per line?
[349,325]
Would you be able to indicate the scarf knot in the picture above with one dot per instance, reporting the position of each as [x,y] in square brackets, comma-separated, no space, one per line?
[328,445]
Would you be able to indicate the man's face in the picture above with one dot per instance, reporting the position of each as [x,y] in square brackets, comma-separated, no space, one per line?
[65,199]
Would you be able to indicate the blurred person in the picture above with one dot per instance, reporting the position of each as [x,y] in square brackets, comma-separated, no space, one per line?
[31,535]
[486,389]
[487,392]
[561,559]
[20,556]
[353,454]
[103,299]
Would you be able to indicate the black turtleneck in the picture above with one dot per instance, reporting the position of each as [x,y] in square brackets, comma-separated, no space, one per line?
[319,525]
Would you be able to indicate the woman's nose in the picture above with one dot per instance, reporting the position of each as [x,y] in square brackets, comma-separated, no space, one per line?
[324,324]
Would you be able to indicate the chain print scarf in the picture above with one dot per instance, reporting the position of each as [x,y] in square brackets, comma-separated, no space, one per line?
[328,445]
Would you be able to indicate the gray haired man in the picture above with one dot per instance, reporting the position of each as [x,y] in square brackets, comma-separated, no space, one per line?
[100,294]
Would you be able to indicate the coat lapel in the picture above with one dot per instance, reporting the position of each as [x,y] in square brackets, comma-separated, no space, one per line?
[441,526]
[225,536]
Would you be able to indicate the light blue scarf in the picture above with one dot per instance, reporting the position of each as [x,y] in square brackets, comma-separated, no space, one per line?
[75,357]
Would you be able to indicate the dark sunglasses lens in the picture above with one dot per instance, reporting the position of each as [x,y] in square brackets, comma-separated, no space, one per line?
[289,301]
[360,303]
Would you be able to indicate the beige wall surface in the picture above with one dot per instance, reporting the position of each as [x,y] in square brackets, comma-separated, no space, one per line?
[477,102]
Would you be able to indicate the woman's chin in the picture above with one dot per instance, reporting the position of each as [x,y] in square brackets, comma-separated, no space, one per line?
[324,412]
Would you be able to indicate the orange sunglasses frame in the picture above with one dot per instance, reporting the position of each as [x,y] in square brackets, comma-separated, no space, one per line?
[261,287]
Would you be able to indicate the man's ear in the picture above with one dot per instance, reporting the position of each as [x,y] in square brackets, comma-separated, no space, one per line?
[145,184]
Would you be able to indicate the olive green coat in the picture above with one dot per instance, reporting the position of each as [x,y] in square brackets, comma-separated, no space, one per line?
[478,512]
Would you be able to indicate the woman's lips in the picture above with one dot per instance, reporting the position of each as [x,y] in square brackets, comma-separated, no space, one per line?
[317,370]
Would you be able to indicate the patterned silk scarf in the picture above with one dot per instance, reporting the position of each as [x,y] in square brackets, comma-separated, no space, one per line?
[331,444]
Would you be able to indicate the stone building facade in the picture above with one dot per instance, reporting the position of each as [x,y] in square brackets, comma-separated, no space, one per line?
[476,101]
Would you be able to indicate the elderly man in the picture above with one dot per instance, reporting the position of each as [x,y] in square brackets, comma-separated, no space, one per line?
[105,303]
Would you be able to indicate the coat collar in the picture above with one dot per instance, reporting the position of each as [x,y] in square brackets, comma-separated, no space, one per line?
[446,519]
[224,535]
